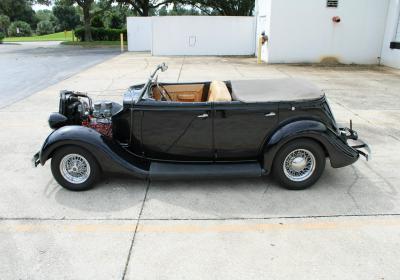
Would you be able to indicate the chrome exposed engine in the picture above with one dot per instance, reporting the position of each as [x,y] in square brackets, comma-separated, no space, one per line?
[77,108]
[100,119]
[102,110]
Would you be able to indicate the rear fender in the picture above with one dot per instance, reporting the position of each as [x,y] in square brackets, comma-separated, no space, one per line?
[109,154]
[339,152]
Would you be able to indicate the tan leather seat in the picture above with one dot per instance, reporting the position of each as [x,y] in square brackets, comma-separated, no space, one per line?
[219,92]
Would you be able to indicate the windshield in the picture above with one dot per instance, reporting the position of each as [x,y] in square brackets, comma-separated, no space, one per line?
[152,80]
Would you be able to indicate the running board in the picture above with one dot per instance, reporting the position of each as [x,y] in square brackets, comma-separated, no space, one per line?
[161,171]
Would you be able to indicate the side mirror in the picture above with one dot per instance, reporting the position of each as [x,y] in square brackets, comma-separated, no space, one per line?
[163,67]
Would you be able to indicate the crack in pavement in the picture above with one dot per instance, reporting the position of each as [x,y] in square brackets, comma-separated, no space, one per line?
[237,70]
[392,187]
[394,137]
[205,219]
[348,191]
[134,233]
[180,70]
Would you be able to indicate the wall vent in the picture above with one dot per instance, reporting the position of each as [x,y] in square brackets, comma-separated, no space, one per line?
[332,3]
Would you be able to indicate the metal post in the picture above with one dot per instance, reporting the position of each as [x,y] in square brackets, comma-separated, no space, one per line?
[122,41]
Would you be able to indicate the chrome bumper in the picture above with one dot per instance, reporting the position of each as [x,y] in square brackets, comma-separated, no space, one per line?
[362,148]
[36,159]
[351,137]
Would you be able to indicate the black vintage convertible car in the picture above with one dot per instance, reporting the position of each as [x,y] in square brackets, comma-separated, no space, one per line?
[204,129]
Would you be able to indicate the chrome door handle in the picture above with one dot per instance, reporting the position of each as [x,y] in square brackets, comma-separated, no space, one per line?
[203,116]
[270,114]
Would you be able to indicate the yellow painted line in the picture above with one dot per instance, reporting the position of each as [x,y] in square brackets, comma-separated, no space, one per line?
[262,227]
[191,228]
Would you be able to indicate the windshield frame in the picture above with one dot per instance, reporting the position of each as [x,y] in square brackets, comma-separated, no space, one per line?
[151,80]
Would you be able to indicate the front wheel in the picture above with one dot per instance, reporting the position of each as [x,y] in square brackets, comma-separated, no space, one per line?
[299,164]
[74,168]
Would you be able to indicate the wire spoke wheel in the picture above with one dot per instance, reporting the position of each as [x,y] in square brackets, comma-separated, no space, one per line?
[299,165]
[75,168]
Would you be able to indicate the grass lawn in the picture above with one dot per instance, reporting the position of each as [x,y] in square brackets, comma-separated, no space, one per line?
[95,44]
[60,36]
[67,40]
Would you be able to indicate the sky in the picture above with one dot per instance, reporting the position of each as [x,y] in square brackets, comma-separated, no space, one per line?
[41,7]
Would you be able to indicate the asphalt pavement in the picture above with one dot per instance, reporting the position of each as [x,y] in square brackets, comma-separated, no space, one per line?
[32,66]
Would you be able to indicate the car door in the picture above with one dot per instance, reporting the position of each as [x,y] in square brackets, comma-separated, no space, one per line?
[240,128]
[177,131]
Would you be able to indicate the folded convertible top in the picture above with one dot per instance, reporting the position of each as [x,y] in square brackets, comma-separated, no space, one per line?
[274,90]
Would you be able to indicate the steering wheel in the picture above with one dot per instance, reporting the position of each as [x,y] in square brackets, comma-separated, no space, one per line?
[163,92]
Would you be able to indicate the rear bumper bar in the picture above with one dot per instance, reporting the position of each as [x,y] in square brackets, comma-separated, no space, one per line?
[351,137]
[362,148]
[36,159]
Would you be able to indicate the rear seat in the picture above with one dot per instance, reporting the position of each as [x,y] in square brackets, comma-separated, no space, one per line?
[219,92]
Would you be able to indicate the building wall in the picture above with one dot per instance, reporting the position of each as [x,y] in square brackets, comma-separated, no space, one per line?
[303,31]
[391,57]
[139,33]
[203,35]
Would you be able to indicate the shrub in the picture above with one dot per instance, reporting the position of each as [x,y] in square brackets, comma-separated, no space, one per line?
[24,29]
[4,23]
[1,37]
[101,34]
[44,27]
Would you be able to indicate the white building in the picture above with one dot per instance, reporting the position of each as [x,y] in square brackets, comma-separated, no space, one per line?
[139,33]
[391,41]
[308,31]
[192,35]
[203,35]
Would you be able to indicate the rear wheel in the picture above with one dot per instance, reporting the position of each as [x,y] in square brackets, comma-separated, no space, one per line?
[74,168]
[299,164]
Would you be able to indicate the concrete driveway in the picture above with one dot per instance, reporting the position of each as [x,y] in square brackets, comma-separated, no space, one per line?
[345,227]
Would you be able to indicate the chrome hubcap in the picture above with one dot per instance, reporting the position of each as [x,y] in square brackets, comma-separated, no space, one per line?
[75,168]
[299,165]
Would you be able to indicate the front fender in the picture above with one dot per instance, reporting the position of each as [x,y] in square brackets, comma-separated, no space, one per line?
[339,152]
[109,154]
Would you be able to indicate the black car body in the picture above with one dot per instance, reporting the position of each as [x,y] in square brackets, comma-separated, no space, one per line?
[206,129]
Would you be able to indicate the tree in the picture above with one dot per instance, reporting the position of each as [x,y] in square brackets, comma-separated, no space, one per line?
[116,16]
[46,15]
[163,11]
[18,10]
[145,7]
[97,21]
[115,21]
[42,2]
[223,7]
[67,17]
[89,11]
[178,10]
[4,23]
[44,27]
